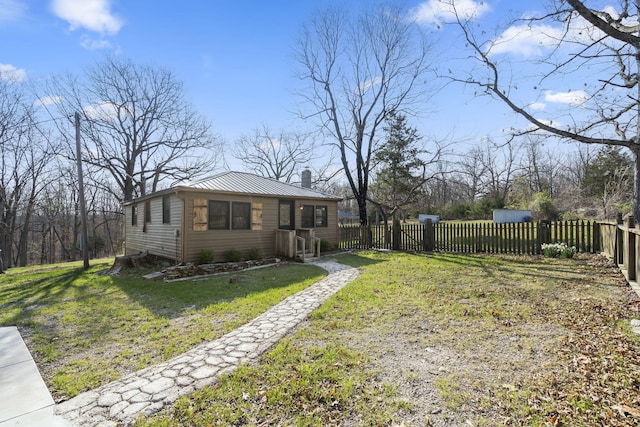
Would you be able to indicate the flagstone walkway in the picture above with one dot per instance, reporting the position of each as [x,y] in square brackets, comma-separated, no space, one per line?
[149,390]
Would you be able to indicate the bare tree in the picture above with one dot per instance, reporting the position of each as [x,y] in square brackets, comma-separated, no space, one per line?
[23,159]
[137,125]
[359,69]
[541,165]
[604,42]
[499,167]
[472,170]
[279,155]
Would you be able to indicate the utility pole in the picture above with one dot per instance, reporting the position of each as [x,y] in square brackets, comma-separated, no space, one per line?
[84,241]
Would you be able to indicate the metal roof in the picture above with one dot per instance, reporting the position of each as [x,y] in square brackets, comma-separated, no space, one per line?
[247,183]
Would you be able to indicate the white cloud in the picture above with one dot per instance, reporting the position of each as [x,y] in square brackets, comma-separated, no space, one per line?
[106,111]
[11,10]
[538,106]
[526,40]
[93,44]
[48,100]
[10,73]
[534,40]
[94,15]
[535,129]
[437,11]
[576,98]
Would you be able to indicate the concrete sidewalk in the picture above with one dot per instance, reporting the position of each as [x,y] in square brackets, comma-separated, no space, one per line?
[24,397]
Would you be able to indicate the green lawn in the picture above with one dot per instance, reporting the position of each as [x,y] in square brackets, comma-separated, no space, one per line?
[415,340]
[445,340]
[86,328]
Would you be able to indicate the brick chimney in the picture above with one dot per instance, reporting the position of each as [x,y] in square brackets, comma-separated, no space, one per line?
[306,178]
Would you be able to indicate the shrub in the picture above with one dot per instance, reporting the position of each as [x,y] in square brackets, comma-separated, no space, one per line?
[325,246]
[555,249]
[232,255]
[570,216]
[544,206]
[253,254]
[206,256]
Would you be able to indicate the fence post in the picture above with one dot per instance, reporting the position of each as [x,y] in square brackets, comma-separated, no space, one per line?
[595,235]
[544,235]
[619,257]
[396,235]
[631,249]
[428,242]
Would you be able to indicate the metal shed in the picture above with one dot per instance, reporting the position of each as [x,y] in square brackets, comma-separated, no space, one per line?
[501,216]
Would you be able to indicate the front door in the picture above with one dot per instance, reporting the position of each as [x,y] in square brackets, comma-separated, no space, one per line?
[287,215]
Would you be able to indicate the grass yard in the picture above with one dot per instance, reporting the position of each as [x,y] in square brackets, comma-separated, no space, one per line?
[85,329]
[445,340]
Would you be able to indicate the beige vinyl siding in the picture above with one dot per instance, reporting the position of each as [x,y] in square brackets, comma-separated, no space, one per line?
[245,240]
[154,237]
[222,240]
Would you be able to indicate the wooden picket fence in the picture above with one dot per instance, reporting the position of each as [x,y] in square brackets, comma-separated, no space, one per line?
[621,243]
[482,237]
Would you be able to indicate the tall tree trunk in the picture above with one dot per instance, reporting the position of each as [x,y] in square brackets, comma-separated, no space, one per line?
[362,208]
[636,184]
[23,252]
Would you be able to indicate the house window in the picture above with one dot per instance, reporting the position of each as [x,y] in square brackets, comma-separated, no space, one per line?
[224,215]
[166,210]
[200,213]
[218,215]
[321,216]
[314,216]
[286,215]
[256,216]
[240,216]
[308,216]
[147,211]
[134,215]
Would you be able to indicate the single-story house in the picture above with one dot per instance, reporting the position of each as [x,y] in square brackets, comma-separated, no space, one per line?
[231,210]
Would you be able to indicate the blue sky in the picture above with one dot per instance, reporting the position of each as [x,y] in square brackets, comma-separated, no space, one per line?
[235,57]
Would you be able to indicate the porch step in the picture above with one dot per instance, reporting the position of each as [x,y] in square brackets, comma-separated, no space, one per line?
[306,255]
[310,254]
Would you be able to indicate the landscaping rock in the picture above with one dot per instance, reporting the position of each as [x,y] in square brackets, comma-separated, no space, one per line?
[192,270]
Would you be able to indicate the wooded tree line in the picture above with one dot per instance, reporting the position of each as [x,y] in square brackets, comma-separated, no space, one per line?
[530,172]
[576,182]
[138,134]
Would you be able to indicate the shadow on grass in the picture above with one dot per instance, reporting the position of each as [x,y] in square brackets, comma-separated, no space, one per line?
[171,300]
[360,259]
[43,288]
[90,303]
[531,266]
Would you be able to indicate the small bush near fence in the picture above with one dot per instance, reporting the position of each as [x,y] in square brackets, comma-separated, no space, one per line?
[325,246]
[554,249]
